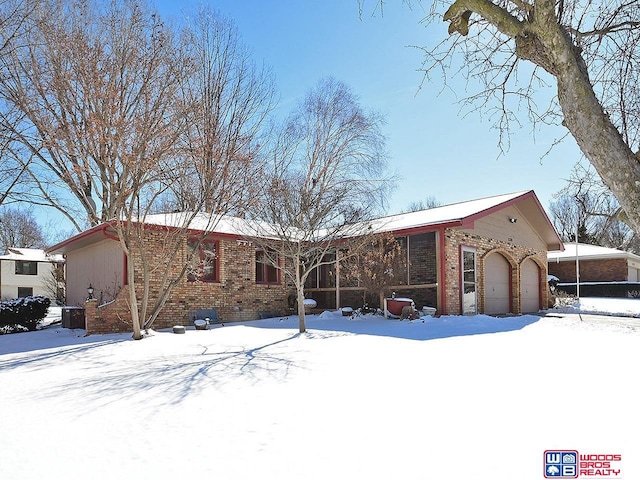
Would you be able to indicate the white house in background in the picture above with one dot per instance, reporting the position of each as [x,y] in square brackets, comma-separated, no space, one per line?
[26,272]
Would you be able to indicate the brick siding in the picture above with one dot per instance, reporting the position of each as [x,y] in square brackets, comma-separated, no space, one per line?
[606,270]
[236,296]
[514,254]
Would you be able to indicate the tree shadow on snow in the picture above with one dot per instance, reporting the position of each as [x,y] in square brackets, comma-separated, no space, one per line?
[178,374]
[425,328]
[52,343]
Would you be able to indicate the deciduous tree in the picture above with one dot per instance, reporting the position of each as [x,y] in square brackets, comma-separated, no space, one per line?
[128,112]
[585,204]
[223,100]
[588,50]
[380,264]
[325,179]
[19,229]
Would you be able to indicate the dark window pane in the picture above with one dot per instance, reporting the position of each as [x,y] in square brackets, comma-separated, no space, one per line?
[25,292]
[26,268]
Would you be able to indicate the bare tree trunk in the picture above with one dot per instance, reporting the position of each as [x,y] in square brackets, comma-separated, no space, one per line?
[302,326]
[133,299]
[598,139]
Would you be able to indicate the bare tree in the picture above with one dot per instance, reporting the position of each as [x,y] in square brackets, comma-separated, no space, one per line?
[209,172]
[96,87]
[12,168]
[324,181]
[587,206]
[19,229]
[381,264]
[127,112]
[589,50]
[429,202]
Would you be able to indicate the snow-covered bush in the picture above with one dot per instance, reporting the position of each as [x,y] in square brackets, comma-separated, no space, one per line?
[563,299]
[22,313]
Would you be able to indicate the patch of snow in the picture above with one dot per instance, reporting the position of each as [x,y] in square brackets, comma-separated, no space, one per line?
[363,397]
[310,302]
[620,307]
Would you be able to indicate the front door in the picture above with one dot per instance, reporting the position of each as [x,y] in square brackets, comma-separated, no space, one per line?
[469,290]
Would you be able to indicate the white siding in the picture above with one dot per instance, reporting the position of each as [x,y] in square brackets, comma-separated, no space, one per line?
[10,282]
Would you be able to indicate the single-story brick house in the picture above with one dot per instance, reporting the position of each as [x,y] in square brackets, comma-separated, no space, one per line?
[601,269]
[482,256]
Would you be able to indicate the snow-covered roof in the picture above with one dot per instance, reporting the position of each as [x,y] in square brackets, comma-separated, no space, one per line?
[222,224]
[30,255]
[455,212]
[589,252]
[461,214]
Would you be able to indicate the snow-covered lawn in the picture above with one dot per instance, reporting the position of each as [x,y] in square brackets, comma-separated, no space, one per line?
[469,398]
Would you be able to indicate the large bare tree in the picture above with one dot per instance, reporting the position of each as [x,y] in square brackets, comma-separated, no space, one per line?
[12,167]
[128,113]
[96,86]
[588,49]
[224,100]
[324,180]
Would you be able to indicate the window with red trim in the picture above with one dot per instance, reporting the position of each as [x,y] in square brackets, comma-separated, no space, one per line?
[204,265]
[265,271]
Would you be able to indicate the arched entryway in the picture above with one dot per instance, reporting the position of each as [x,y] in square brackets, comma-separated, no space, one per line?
[529,286]
[497,285]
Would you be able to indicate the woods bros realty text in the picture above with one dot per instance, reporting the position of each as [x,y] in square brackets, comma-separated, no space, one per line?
[571,464]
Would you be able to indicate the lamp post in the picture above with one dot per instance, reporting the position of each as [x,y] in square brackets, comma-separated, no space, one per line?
[90,292]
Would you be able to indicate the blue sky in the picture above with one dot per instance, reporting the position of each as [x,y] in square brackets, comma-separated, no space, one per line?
[436,150]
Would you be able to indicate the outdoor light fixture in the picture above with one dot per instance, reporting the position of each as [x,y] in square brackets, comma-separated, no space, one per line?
[513,220]
[90,291]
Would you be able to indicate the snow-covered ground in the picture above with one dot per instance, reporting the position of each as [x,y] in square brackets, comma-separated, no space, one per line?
[473,398]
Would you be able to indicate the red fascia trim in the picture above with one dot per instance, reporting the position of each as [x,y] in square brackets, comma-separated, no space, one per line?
[428,228]
[546,217]
[87,233]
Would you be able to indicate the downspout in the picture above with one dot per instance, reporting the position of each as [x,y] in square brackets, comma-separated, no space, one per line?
[338,278]
[442,280]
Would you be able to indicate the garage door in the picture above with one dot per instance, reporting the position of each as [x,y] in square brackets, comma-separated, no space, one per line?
[530,286]
[497,285]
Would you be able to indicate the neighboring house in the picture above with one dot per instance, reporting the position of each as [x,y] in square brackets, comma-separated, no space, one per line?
[483,256]
[603,271]
[28,272]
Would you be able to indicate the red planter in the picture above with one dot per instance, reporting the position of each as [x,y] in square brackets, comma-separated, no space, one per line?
[394,305]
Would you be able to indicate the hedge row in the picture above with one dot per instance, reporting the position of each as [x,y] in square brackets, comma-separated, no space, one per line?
[22,313]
